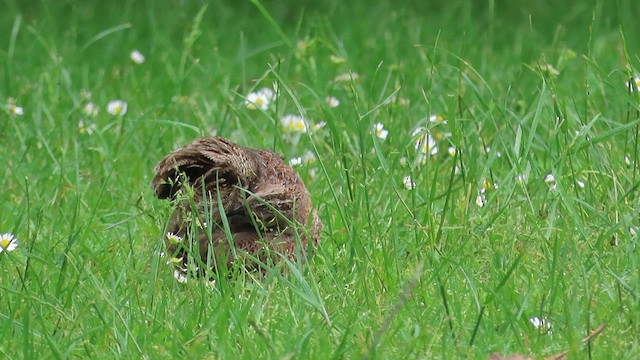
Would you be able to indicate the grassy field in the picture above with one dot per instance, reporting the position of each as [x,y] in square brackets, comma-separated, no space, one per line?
[478,176]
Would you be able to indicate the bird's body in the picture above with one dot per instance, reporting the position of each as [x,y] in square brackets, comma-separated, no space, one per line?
[233,201]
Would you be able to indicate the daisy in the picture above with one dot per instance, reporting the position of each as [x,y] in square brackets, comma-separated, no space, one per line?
[137,57]
[90,109]
[16,110]
[269,93]
[180,276]
[8,242]
[117,107]
[634,84]
[541,323]
[293,124]
[486,185]
[260,99]
[295,161]
[308,158]
[87,128]
[551,180]
[425,143]
[481,200]
[13,109]
[452,151]
[256,100]
[379,131]
[438,119]
[173,238]
[318,126]
[333,102]
[408,183]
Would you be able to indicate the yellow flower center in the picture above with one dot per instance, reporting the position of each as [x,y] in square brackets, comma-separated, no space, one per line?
[4,243]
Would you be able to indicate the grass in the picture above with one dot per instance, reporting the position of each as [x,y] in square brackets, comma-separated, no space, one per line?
[422,273]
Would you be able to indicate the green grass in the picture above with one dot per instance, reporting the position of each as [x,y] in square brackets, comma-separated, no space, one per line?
[423,273]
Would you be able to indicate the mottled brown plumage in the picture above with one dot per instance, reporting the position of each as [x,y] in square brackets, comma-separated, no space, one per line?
[263,200]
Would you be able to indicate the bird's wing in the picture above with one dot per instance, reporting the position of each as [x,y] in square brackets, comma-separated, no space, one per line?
[211,159]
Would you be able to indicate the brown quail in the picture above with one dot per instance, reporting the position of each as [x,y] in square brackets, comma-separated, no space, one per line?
[264,203]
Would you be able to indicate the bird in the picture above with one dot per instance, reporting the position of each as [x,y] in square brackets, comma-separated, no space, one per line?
[233,203]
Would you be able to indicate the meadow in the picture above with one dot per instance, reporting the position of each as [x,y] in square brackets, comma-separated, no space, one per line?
[475,164]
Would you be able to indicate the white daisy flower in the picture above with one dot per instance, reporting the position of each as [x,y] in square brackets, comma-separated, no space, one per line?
[86,128]
[295,161]
[308,158]
[268,92]
[13,109]
[438,119]
[260,99]
[481,200]
[117,107]
[425,143]
[137,57]
[180,276]
[634,84]
[379,131]
[408,183]
[293,124]
[90,109]
[8,242]
[333,102]
[319,126]
[16,110]
[551,180]
[452,151]
[256,100]
[541,324]
[173,238]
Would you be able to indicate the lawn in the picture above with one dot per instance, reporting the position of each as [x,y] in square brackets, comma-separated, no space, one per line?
[476,166]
